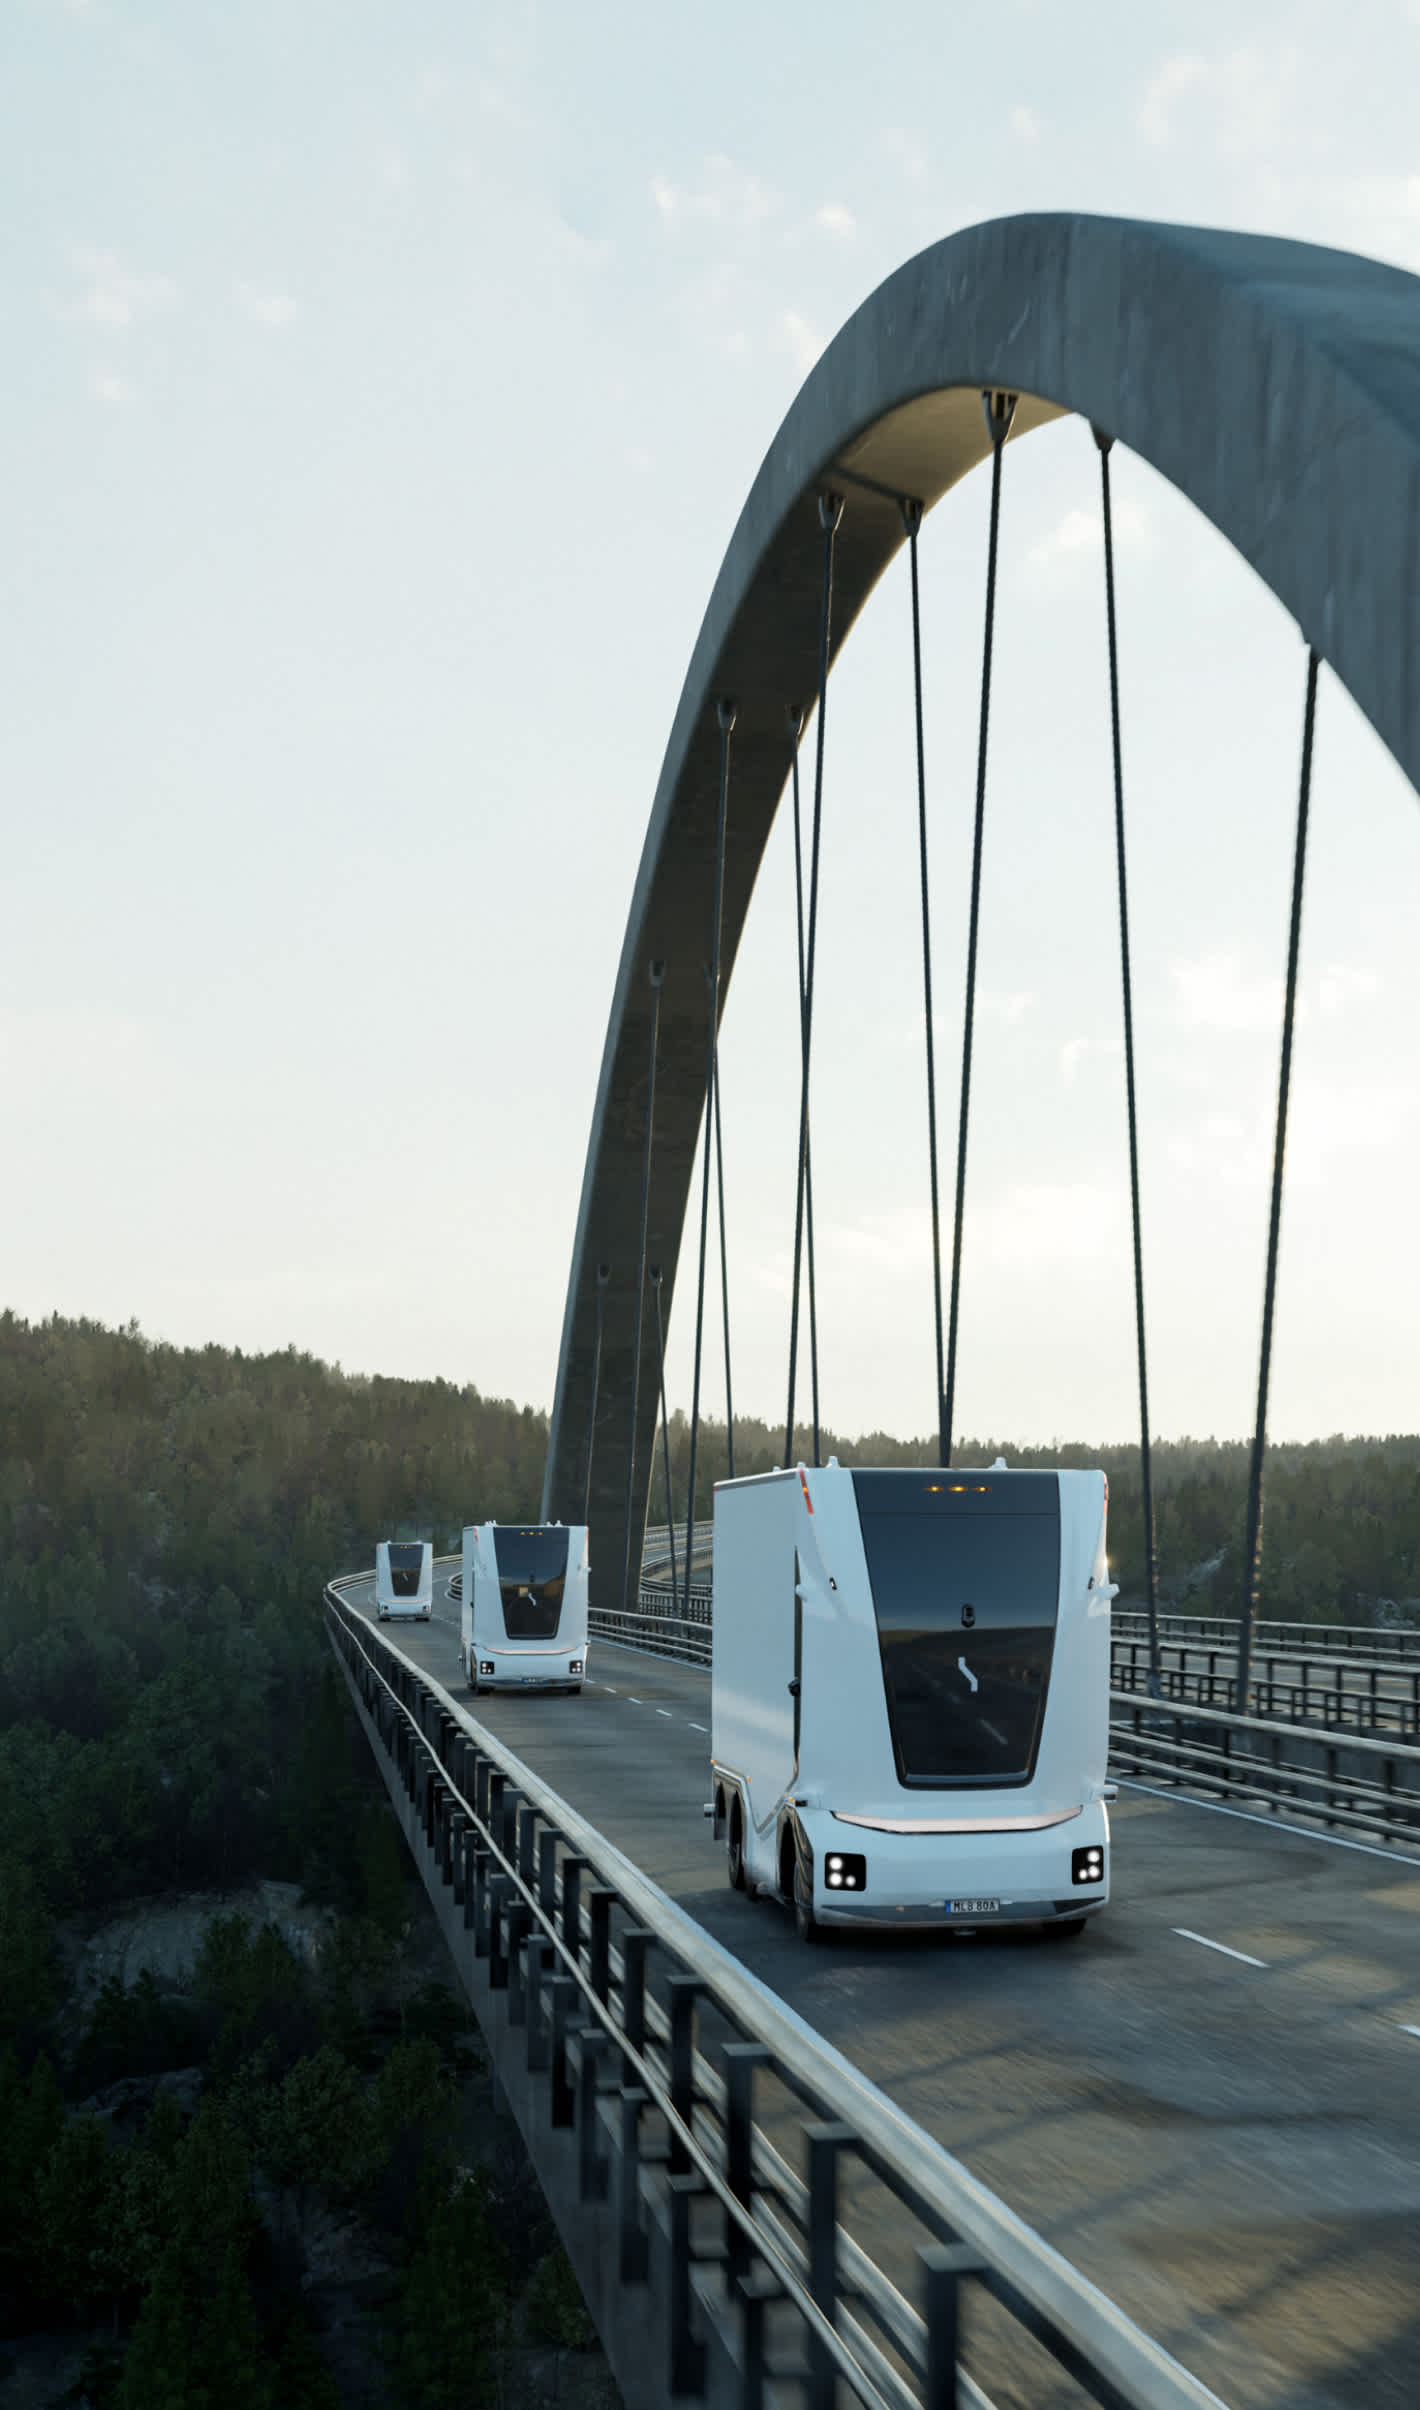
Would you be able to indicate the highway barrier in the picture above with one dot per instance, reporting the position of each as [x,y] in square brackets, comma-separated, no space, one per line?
[1330,1767]
[751,2220]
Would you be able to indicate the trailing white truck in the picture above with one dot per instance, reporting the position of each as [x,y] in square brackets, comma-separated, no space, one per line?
[404,1578]
[523,1620]
[910,1695]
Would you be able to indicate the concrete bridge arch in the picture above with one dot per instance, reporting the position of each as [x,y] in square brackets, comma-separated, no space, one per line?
[1275,383]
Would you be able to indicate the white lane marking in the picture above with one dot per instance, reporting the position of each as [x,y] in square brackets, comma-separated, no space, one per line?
[1415,2029]
[1184,1935]
[634,1702]
[697,1727]
[611,1686]
[663,1711]
[1271,1824]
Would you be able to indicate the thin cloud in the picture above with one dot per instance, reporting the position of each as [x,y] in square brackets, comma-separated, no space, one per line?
[1214,992]
[1024,123]
[1343,985]
[805,344]
[834,219]
[1178,76]
[116,391]
[729,195]
[266,308]
[1081,532]
[116,297]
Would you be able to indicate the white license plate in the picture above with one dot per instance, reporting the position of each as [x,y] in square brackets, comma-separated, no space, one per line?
[973,1907]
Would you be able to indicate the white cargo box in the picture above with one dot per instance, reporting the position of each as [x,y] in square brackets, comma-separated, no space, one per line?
[910,1694]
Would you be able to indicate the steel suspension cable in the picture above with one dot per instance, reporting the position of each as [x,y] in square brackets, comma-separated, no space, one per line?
[657,975]
[724,1269]
[1252,1547]
[725,719]
[1151,1562]
[665,1423]
[912,521]
[1000,410]
[603,1276]
[796,724]
[830,512]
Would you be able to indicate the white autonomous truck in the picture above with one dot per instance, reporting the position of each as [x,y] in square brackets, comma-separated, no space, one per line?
[523,1624]
[404,1578]
[910,1695]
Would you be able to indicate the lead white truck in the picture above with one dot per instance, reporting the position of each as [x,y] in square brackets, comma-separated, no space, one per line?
[523,1619]
[910,1695]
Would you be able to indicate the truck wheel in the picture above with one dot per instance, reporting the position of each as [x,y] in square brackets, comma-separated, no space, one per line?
[737,1849]
[806,1924]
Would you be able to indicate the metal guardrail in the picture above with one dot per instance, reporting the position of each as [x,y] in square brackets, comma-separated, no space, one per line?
[1317,1773]
[694,2091]
[1351,1785]
[1277,1639]
[1341,1693]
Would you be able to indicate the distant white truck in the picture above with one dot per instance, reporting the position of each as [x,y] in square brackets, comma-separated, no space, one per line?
[404,1578]
[910,1695]
[523,1623]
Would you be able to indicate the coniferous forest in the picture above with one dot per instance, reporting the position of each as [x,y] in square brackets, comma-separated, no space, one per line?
[185,2161]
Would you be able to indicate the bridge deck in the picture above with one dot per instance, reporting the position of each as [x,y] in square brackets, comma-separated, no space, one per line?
[1231,2151]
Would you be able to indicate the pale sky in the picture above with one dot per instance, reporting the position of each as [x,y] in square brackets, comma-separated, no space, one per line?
[383,386]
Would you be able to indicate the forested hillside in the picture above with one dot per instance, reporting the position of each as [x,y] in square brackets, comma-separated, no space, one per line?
[175,2159]
[170,1722]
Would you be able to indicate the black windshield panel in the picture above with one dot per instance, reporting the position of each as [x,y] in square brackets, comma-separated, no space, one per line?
[965,1575]
[406,1567]
[532,1575]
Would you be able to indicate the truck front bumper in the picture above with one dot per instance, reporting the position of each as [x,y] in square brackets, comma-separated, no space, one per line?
[966,1882]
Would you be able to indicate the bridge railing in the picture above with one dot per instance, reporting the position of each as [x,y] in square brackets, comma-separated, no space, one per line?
[1331,1768]
[1386,1641]
[1343,1692]
[785,2216]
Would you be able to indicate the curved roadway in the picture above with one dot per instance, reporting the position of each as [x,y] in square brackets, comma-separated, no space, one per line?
[1210,2104]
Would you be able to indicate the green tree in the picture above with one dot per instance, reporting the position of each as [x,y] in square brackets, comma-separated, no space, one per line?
[451,2304]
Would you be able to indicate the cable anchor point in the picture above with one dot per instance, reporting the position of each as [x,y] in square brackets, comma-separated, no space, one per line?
[911,509]
[1104,442]
[1000,409]
[726,714]
[830,511]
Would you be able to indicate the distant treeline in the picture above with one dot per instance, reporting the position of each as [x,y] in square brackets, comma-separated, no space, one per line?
[1341,1526]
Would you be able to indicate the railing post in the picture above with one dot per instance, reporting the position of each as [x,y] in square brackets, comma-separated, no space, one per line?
[740,2061]
[687,2371]
[824,2144]
[541,1958]
[634,2248]
[519,1926]
[684,1993]
[943,2266]
[591,2162]
[600,1903]
[573,1869]
[562,1991]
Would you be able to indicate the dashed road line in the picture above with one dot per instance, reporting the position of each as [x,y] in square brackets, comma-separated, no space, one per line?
[1415,2029]
[664,1711]
[1184,1935]
[634,1702]
[697,1727]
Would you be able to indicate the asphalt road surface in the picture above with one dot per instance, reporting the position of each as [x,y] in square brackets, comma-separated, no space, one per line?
[1210,2103]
